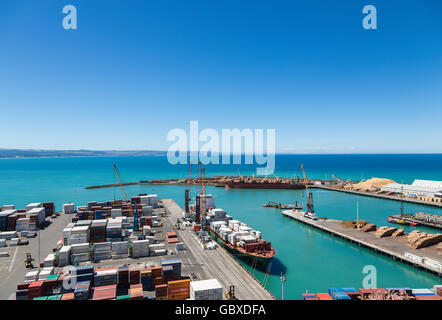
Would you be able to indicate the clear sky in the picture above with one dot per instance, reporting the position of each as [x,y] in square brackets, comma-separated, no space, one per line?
[133,70]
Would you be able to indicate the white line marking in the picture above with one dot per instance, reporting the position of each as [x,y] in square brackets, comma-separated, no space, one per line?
[13,259]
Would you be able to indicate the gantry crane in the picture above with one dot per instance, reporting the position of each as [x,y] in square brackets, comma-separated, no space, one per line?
[187,192]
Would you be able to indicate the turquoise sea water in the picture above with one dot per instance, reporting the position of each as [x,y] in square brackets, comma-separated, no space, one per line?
[310,259]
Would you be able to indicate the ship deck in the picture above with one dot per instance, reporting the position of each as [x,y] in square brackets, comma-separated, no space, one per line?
[218,264]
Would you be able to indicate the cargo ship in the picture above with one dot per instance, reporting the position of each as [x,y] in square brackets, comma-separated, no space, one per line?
[240,240]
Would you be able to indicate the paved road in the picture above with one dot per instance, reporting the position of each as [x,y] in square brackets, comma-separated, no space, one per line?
[12,268]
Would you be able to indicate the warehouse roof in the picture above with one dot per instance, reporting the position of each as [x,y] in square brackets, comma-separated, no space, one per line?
[428,183]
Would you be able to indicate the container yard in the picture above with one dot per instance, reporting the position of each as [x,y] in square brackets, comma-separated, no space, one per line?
[418,249]
[120,250]
[431,294]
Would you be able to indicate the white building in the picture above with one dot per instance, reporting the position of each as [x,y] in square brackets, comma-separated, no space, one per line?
[425,188]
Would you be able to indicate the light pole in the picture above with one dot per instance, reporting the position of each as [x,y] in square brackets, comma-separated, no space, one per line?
[283,278]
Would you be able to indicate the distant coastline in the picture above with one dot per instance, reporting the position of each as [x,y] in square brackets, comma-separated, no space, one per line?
[39,153]
[35,153]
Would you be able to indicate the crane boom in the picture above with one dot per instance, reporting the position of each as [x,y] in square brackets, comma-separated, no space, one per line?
[120,183]
[305,179]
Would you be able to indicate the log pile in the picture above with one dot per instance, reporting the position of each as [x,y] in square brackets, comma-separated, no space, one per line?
[385,232]
[418,239]
[398,233]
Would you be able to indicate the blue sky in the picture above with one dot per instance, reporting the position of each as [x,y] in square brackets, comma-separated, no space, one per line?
[133,70]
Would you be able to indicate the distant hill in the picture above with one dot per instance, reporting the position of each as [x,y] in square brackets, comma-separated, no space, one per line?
[34,153]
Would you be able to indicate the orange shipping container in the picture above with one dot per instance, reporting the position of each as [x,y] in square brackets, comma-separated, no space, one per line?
[178,283]
[179,296]
[324,296]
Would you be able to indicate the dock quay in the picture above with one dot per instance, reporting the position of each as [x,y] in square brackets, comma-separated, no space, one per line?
[219,263]
[428,259]
[378,195]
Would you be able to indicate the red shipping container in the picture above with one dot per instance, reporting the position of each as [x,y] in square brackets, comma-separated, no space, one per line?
[68,296]
[323,296]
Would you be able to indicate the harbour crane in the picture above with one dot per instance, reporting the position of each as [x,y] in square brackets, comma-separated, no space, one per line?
[203,199]
[310,211]
[187,192]
[123,191]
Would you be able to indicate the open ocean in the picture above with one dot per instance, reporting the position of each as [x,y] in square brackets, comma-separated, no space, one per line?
[310,259]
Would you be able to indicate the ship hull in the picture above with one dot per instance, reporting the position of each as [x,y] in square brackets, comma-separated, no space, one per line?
[243,185]
[258,262]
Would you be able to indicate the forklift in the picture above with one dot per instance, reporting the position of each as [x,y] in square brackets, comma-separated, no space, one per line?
[28,261]
[231,293]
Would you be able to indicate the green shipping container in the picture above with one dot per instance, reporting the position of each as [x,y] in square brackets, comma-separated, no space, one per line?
[41,298]
[123,298]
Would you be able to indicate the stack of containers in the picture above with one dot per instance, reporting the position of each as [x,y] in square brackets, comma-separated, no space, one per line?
[98,231]
[116,213]
[22,224]
[8,235]
[175,264]
[31,276]
[31,206]
[161,292]
[120,250]
[140,248]
[49,208]
[323,296]
[157,249]
[153,200]
[45,272]
[123,276]
[64,256]
[83,273]
[134,275]
[147,210]
[11,222]
[102,251]
[157,276]
[38,215]
[105,277]
[113,230]
[35,289]
[4,220]
[68,208]
[80,252]
[68,296]
[136,292]
[105,292]
[145,221]
[79,234]
[168,274]
[82,290]
[51,282]
[178,290]
[146,279]
[49,260]
[206,290]
[338,294]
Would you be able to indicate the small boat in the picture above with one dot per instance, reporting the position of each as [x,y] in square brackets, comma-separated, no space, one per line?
[401,221]
[273,204]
